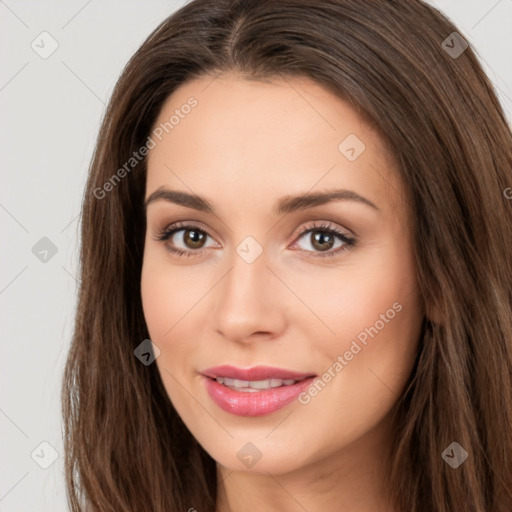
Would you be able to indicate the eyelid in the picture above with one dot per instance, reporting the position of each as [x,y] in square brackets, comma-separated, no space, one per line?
[324,225]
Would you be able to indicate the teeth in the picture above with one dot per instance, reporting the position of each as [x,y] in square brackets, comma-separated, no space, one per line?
[259,384]
[245,385]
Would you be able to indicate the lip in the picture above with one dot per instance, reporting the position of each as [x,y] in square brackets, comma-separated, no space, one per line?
[255,373]
[257,403]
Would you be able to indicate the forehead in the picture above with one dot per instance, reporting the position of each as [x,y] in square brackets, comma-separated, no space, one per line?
[243,138]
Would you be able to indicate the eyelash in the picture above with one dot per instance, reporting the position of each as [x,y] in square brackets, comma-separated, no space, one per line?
[169,231]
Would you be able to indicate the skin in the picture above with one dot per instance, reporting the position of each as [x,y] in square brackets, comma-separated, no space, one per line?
[244,146]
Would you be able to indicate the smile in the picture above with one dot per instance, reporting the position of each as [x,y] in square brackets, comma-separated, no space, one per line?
[264,390]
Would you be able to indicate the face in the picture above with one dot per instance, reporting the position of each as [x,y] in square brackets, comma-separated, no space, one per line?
[311,303]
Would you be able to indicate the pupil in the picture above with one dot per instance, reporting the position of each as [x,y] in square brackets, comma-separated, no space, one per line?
[319,240]
[196,238]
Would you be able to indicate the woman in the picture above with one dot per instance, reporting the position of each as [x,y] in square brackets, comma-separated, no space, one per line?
[296,269]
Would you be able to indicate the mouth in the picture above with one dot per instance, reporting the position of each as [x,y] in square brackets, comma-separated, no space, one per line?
[255,391]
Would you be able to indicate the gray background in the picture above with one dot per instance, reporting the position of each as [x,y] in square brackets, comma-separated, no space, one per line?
[50,114]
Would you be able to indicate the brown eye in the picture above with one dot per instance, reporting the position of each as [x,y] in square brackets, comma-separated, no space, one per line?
[326,239]
[194,238]
[322,241]
[191,241]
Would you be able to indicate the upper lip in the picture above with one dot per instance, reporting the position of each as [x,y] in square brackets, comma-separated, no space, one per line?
[254,373]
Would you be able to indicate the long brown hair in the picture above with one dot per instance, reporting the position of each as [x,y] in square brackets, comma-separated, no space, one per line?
[126,449]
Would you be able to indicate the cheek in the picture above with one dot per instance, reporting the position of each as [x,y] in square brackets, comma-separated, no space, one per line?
[367,363]
[166,292]
[156,300]
[377,317]
[173,309]
[373,311]
[160,301]
[163,308]
[377,290]
[372,304]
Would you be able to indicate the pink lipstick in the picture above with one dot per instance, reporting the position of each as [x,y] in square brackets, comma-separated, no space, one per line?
[254,391]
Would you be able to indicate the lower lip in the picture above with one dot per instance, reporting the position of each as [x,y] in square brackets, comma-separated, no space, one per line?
[250,403]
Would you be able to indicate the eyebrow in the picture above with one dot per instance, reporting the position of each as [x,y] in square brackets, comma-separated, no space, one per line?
[285,205]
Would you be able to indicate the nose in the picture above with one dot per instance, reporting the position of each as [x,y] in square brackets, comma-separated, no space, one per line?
[249,302]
